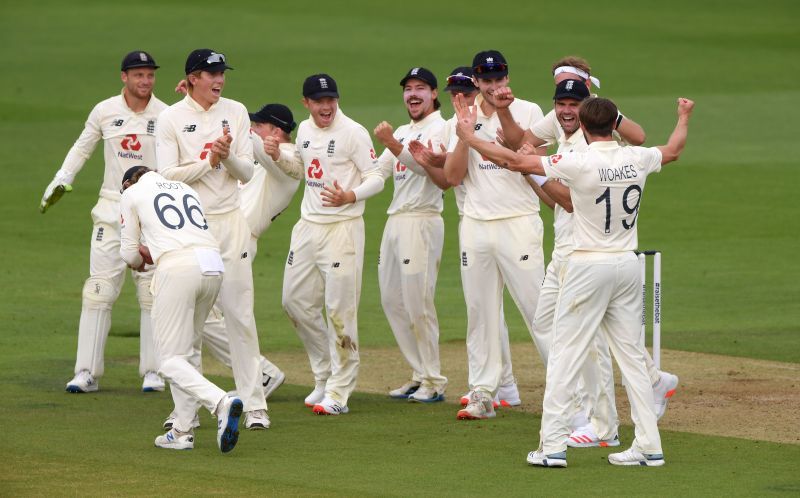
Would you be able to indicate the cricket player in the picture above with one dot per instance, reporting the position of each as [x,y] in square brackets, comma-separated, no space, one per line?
[460,82]
[411,248]
[187,280]
[326,255]
[263,198]
[203,141]
[126,125]
[601,287]
[501,237]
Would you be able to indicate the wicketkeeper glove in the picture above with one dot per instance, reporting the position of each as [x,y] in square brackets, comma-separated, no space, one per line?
[57,188]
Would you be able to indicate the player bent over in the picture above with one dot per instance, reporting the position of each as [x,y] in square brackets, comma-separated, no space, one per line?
[126,124]
[601,283]
[187,279]
[326,255]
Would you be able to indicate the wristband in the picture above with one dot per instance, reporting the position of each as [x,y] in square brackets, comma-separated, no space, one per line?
[540,180]
[619,120]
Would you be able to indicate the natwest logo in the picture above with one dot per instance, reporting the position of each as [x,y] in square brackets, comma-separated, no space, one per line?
[131,142]
[315,170]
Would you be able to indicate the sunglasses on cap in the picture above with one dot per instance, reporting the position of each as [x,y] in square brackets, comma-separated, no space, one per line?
[459,80]
[212,59]
[494,67]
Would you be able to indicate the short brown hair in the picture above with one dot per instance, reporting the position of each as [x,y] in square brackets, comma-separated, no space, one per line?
[598,116]
[574,61]
[196,74]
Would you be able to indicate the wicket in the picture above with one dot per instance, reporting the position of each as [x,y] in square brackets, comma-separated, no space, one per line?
[657,290]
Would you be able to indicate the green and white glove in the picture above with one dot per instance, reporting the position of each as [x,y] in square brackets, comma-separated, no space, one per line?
[57,188]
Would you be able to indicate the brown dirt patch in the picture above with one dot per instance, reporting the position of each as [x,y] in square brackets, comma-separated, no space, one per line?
[717,395]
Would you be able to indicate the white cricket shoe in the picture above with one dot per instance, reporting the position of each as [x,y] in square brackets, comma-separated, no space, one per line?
[271,384]
[539,459]
[405,390]
[585,437]
[152,382]
[173,440]
[330,407]
[663,391]
[173,416]
[507,395]
[228,413]
[316,395]
[83,382]
[480,406]
[426,394]
[256,420]
[632,456]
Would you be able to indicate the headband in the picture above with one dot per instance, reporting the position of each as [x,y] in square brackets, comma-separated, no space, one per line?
[574,70]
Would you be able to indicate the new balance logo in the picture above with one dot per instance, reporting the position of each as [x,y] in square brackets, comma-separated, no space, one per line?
[189,128]
[524,257]
[244,255]
[99,236]
[406,261]
[117,122]
[335,265]
[290,259]
[478,126]
[463,258]
[305,144]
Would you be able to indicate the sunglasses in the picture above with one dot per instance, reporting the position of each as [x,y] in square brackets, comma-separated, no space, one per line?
[495,67]
[212,59]
[459,80]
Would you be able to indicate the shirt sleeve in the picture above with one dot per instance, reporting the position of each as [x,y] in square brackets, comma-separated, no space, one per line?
[130,232]
[547,128]
[83,147]
[651,159]
[386,163]
[564,167]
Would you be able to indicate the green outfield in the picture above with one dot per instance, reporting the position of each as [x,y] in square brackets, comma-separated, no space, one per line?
[725,217]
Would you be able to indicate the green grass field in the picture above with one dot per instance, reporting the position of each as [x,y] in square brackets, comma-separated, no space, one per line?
[725,217]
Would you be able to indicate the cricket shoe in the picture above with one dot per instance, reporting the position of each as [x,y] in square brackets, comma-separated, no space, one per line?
[256,420]
[82,383]
[228,413]
[632,456]
[426,395]
[479,407]
[507,396]
[330,407]
[404,391]
[271,384]
[152,382]
[173,416]
[663,390]
[316,396]
[539,459]
[174,440]
[585,437]
[464,400]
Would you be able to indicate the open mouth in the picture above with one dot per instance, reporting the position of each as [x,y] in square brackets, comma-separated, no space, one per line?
[216,91]
[414,104]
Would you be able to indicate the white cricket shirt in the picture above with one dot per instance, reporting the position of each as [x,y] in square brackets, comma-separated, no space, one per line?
[128,140]
[413,191]
[168,213]
[606,183]
[343,152]
[492,192]
[184,137]
[562,219]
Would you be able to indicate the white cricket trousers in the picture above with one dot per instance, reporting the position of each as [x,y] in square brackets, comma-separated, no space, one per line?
[600,293]
[474,358]
[236,302]
[323,270]
[410,253]
[183,297]
[594,392]
[493,253]
[100,292]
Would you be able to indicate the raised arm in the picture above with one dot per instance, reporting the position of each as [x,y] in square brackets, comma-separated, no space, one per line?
[672,151]
[630,130]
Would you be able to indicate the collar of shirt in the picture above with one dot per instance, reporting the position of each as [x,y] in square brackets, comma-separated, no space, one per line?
[604,145]
[149,105]
[422,123]
[192,103]
[572,139]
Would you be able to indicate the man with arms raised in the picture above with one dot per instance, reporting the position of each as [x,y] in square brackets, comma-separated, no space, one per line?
[203,141]
[126,123]
[601,288]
